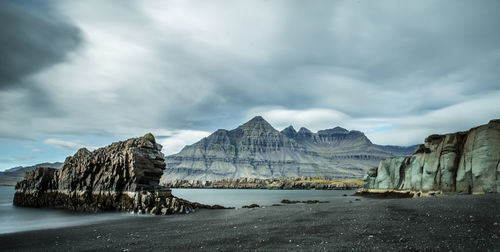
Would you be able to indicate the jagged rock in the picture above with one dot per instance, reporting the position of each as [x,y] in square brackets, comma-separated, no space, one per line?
[315,201]
[289,132]
[123,176]
[286,201]
[251,206]
[257,150]
[467,162]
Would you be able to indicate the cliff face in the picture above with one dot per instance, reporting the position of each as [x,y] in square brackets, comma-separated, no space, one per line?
[123,166]
[123,176]
[257,150]
[467,162]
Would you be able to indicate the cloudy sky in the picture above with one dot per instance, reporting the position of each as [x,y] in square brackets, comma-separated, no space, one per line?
[87,73]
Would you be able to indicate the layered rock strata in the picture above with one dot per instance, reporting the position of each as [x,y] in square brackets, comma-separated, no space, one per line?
[257,150]
[123,176]
[465,162]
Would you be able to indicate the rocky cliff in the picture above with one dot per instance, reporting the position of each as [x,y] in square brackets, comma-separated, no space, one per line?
[257,150]
[123,176]
[467,162]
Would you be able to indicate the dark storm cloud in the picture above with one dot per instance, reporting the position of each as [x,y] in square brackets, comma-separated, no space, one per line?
[31,41]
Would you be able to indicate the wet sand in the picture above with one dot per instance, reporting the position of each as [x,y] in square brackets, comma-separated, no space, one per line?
[462,222]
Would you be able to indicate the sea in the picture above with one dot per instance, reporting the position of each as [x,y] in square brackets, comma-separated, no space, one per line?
[17,219]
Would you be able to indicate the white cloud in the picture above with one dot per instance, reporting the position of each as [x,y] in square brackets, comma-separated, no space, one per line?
[66,145]
[404,130]
[314,119]
[35,150]
[459,117]
[174,141]
[24,157]
[192,66]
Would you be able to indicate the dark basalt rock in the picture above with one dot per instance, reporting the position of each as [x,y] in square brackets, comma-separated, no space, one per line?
[286,201]
[315,201]
[251,206]
[123,176]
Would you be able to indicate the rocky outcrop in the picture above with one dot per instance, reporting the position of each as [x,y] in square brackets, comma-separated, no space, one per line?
[123,176]
[302,183]
[466,162]
[257,150]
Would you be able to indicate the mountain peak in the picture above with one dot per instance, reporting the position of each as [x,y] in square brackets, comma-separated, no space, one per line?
[336,130]
[257,119]
[303,130]
[257,122]
[289,131]
[339,129]
[256,150]
[289,128]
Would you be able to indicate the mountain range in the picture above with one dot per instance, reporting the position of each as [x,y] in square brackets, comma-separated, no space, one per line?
[13,175]
[257,150]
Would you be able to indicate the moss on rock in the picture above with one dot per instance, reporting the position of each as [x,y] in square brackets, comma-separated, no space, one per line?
[149,137]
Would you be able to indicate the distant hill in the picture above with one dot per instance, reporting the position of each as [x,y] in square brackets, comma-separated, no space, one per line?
[257,150]
[13,175]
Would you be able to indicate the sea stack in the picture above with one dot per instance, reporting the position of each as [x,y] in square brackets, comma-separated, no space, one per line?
[462,162]
[123,176]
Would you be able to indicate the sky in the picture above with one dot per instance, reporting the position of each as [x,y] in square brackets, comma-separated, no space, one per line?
[88,73]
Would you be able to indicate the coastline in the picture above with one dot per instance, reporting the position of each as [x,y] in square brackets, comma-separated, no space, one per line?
[456,222]
[297,183]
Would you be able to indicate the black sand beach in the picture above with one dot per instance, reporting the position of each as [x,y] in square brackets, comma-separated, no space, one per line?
[456,223]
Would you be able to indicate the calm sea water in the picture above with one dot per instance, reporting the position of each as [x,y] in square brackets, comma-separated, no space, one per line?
[16,219]
[241,197]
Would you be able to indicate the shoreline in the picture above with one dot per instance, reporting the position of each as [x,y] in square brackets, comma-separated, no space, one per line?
[297,183]
[456,222]
[272,189]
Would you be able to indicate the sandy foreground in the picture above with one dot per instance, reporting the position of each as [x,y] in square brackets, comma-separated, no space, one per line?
[457,223]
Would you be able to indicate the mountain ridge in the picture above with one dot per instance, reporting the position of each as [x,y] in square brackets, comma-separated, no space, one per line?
[13,175]
[256,149]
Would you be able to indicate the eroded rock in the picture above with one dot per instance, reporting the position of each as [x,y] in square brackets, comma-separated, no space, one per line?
[465,162]
[123,176]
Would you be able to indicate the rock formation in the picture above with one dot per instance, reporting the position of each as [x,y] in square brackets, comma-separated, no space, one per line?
[257,150]
[467,162]
[123,176]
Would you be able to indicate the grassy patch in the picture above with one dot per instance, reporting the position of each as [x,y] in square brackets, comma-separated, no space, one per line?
[149,137]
